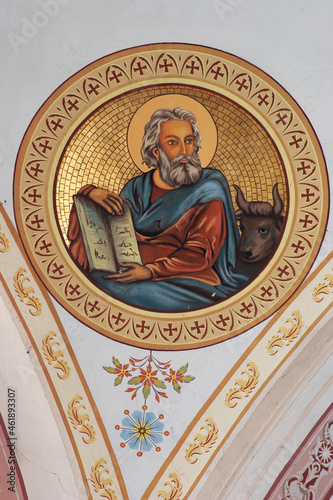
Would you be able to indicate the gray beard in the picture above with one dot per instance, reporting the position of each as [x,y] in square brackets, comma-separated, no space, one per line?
[177,174]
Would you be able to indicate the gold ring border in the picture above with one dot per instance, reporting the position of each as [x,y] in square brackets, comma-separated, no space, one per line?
[210,63]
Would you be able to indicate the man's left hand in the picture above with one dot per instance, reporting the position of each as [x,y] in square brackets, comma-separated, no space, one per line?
[134,272]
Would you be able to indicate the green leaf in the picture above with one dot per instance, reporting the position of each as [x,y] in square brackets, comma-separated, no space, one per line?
[177,388]
[118,380]
[160,384]
[188,378]
[134,381]
[109,369]
[183,369]
[116,362]
[146,391]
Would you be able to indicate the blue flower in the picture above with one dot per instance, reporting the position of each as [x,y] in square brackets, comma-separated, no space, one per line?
[142,430]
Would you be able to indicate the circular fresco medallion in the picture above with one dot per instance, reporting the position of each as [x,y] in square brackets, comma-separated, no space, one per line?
[209,278]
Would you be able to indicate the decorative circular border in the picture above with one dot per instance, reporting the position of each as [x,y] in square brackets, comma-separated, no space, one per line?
[227,75]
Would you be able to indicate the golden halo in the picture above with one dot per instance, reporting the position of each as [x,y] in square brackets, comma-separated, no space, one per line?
[142,116]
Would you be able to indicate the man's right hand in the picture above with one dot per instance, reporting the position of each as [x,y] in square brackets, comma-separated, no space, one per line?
[108,200]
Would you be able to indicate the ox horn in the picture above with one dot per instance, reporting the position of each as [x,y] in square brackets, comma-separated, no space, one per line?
[278,203]
[241,201]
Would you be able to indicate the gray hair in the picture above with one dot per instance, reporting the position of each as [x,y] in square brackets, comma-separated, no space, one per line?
[153,129]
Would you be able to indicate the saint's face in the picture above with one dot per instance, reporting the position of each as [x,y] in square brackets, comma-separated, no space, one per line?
[176,138]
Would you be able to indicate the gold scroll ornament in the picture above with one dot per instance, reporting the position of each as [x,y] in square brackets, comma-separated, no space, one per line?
[202,443]
[324,288]
[175,486]
[102,485]
[243,388]
[287,335]
[55,357]
[81,420]
[4,243]
[26,293]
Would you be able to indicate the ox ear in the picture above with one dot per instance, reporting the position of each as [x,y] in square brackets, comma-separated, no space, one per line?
[239,214]
[279,222]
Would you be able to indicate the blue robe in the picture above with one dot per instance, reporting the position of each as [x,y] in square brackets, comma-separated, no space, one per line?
[178,294]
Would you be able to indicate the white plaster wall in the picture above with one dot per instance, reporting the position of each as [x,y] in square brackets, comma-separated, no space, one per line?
[43,42]
[40,453]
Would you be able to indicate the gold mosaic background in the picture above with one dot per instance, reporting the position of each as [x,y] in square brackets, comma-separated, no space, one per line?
[98,154]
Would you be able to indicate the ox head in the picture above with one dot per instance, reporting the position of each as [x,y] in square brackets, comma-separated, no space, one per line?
[260,226]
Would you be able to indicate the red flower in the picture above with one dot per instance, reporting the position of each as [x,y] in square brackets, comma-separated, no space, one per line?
[176,376]
[121,370]
[148,377]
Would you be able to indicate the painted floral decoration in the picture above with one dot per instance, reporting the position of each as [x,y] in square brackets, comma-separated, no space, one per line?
[152,376]
[142,430]
[119,370]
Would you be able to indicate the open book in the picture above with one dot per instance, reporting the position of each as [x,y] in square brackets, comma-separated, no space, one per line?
[108,239]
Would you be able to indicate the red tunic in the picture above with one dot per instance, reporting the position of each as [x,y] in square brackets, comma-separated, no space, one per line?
[188,249]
